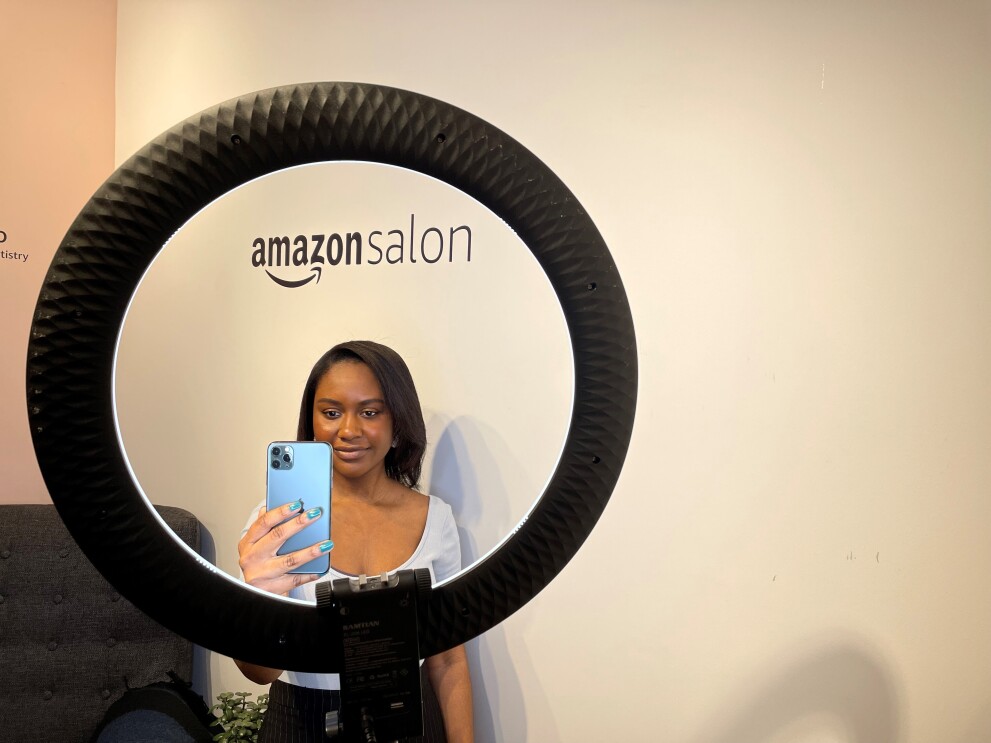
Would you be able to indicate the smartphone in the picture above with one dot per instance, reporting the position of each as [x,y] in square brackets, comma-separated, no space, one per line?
[301,471]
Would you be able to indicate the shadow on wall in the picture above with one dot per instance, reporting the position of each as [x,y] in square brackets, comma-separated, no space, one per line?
[470,471]
[478,489]
[840,685]
[485,691]
[202,680]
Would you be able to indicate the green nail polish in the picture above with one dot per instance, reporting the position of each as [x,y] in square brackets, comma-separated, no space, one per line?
[327,546]
[295,506]
[313,513]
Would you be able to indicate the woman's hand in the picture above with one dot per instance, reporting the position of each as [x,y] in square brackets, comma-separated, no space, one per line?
[257,551]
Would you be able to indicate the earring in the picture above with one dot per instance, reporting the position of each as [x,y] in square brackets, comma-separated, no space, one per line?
[395,442]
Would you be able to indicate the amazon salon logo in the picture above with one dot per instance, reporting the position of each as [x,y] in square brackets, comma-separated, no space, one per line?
[298,261]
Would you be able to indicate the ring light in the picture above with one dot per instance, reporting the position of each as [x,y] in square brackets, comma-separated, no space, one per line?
[113,241]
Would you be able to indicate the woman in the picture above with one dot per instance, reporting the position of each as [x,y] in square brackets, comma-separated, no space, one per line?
[360,398]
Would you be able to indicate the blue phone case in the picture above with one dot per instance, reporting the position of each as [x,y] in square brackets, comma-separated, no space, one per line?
[301,470]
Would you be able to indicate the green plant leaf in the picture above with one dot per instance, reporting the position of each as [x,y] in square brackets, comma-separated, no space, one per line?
[240,718]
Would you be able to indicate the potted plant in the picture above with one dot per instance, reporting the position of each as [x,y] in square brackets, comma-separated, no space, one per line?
[239,718]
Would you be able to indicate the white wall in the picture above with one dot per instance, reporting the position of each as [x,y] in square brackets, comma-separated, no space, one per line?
[796,196]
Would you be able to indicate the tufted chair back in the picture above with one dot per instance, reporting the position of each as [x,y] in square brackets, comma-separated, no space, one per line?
[70,645]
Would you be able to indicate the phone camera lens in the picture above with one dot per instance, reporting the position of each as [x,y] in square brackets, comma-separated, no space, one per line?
[276,451]
[286,458]
[275,464]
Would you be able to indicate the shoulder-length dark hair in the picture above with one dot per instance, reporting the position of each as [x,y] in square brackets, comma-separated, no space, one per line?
[404,462]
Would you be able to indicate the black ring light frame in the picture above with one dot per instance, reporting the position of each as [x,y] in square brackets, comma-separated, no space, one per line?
[113,241]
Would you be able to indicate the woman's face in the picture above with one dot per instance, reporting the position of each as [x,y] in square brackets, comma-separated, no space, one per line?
[350,414]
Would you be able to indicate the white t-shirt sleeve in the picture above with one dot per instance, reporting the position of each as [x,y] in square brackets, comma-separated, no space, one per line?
[447,558]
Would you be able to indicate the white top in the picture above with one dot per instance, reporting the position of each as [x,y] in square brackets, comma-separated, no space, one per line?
[439,551]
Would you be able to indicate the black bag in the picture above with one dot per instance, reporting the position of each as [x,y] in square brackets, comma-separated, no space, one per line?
[164,712]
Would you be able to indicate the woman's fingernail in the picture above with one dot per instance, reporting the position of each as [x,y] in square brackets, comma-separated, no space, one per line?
[314,513]
[295,506]
[327,546]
